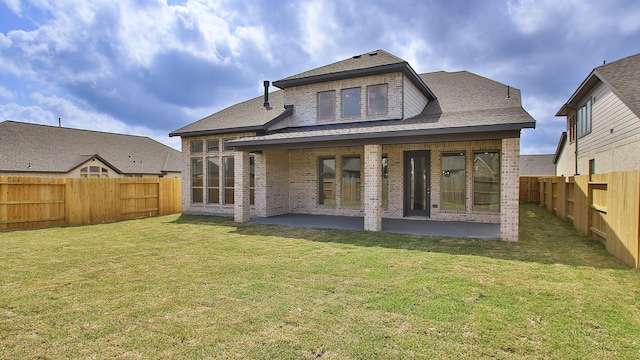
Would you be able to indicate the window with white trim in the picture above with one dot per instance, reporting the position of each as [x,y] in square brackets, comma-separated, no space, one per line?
[583,119]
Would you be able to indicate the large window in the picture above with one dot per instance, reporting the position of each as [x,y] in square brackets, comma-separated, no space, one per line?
[196,180]
[454,178]
[327,105]
[377,99]
[213,180]
[228,179]
[486,181]
[327,181]
[583,118]
[351,181]
[351,102]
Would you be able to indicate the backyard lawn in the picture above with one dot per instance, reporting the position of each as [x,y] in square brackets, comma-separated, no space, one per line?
[204,287]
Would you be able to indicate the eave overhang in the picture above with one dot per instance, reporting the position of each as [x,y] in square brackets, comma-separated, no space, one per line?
[574,101]
[288,110]
[469,133]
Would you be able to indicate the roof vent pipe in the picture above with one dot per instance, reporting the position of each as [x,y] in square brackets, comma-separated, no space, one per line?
[266,94]
[508,92]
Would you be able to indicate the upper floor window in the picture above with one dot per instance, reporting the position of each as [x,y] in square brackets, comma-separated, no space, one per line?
[351,102]
[572,128]
[327,105]
[377,99]
[583,119]
[196,146]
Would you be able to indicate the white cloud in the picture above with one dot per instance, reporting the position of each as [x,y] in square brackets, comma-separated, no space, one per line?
[532,15]
[47,110]
[319,28]
[14,5]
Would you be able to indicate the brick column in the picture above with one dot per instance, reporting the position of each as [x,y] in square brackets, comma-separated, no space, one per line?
[241,207]
[373,187]
[510,189]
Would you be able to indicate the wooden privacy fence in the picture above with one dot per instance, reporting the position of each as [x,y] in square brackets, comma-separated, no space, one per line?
[529,189]
[39,202]
[605,207]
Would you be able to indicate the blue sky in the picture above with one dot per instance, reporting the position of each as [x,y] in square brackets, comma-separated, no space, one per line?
[149,67]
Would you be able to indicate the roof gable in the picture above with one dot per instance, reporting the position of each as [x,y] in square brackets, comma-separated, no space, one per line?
[462,103]
[371,63]
[42,148]
[622,77]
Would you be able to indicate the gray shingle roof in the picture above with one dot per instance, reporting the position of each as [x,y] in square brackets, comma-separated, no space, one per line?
[371,63]
[622,76]
[460,102]
[537,165]
[465,102]
[58,149]
[245,116]
[364,61]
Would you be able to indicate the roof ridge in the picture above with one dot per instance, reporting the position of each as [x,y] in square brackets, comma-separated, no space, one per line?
[74,129]
[626,58]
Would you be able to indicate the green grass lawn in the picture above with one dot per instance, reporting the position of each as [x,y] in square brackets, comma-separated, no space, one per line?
[204,287]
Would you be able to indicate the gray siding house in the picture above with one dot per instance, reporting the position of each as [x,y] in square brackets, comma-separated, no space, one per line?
[367,137]
[603,122]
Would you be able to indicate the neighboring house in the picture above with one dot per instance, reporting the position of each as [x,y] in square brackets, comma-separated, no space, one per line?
[366,136]
[50,151]
[603,122]
[537,165]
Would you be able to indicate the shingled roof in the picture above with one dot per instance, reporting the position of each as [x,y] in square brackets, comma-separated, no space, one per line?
[249,115]
[461,103]
[28,147]
[370,63]
[465,103]
[622,77]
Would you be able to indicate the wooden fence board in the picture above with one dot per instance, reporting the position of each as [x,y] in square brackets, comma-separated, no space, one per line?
[31,202]
[37,202]
[623,206]
[605,207]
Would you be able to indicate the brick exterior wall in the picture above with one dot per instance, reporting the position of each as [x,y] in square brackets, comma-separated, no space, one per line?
[242,210]
[204,207]
[272,183]
[286,181]
[305,100]
[372,187]
[510,190]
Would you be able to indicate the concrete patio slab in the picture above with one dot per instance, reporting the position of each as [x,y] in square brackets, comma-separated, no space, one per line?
[401,226]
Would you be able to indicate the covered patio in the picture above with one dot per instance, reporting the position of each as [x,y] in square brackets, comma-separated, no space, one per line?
[413,226]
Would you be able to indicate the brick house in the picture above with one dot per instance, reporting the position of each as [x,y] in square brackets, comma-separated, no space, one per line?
[367,137]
